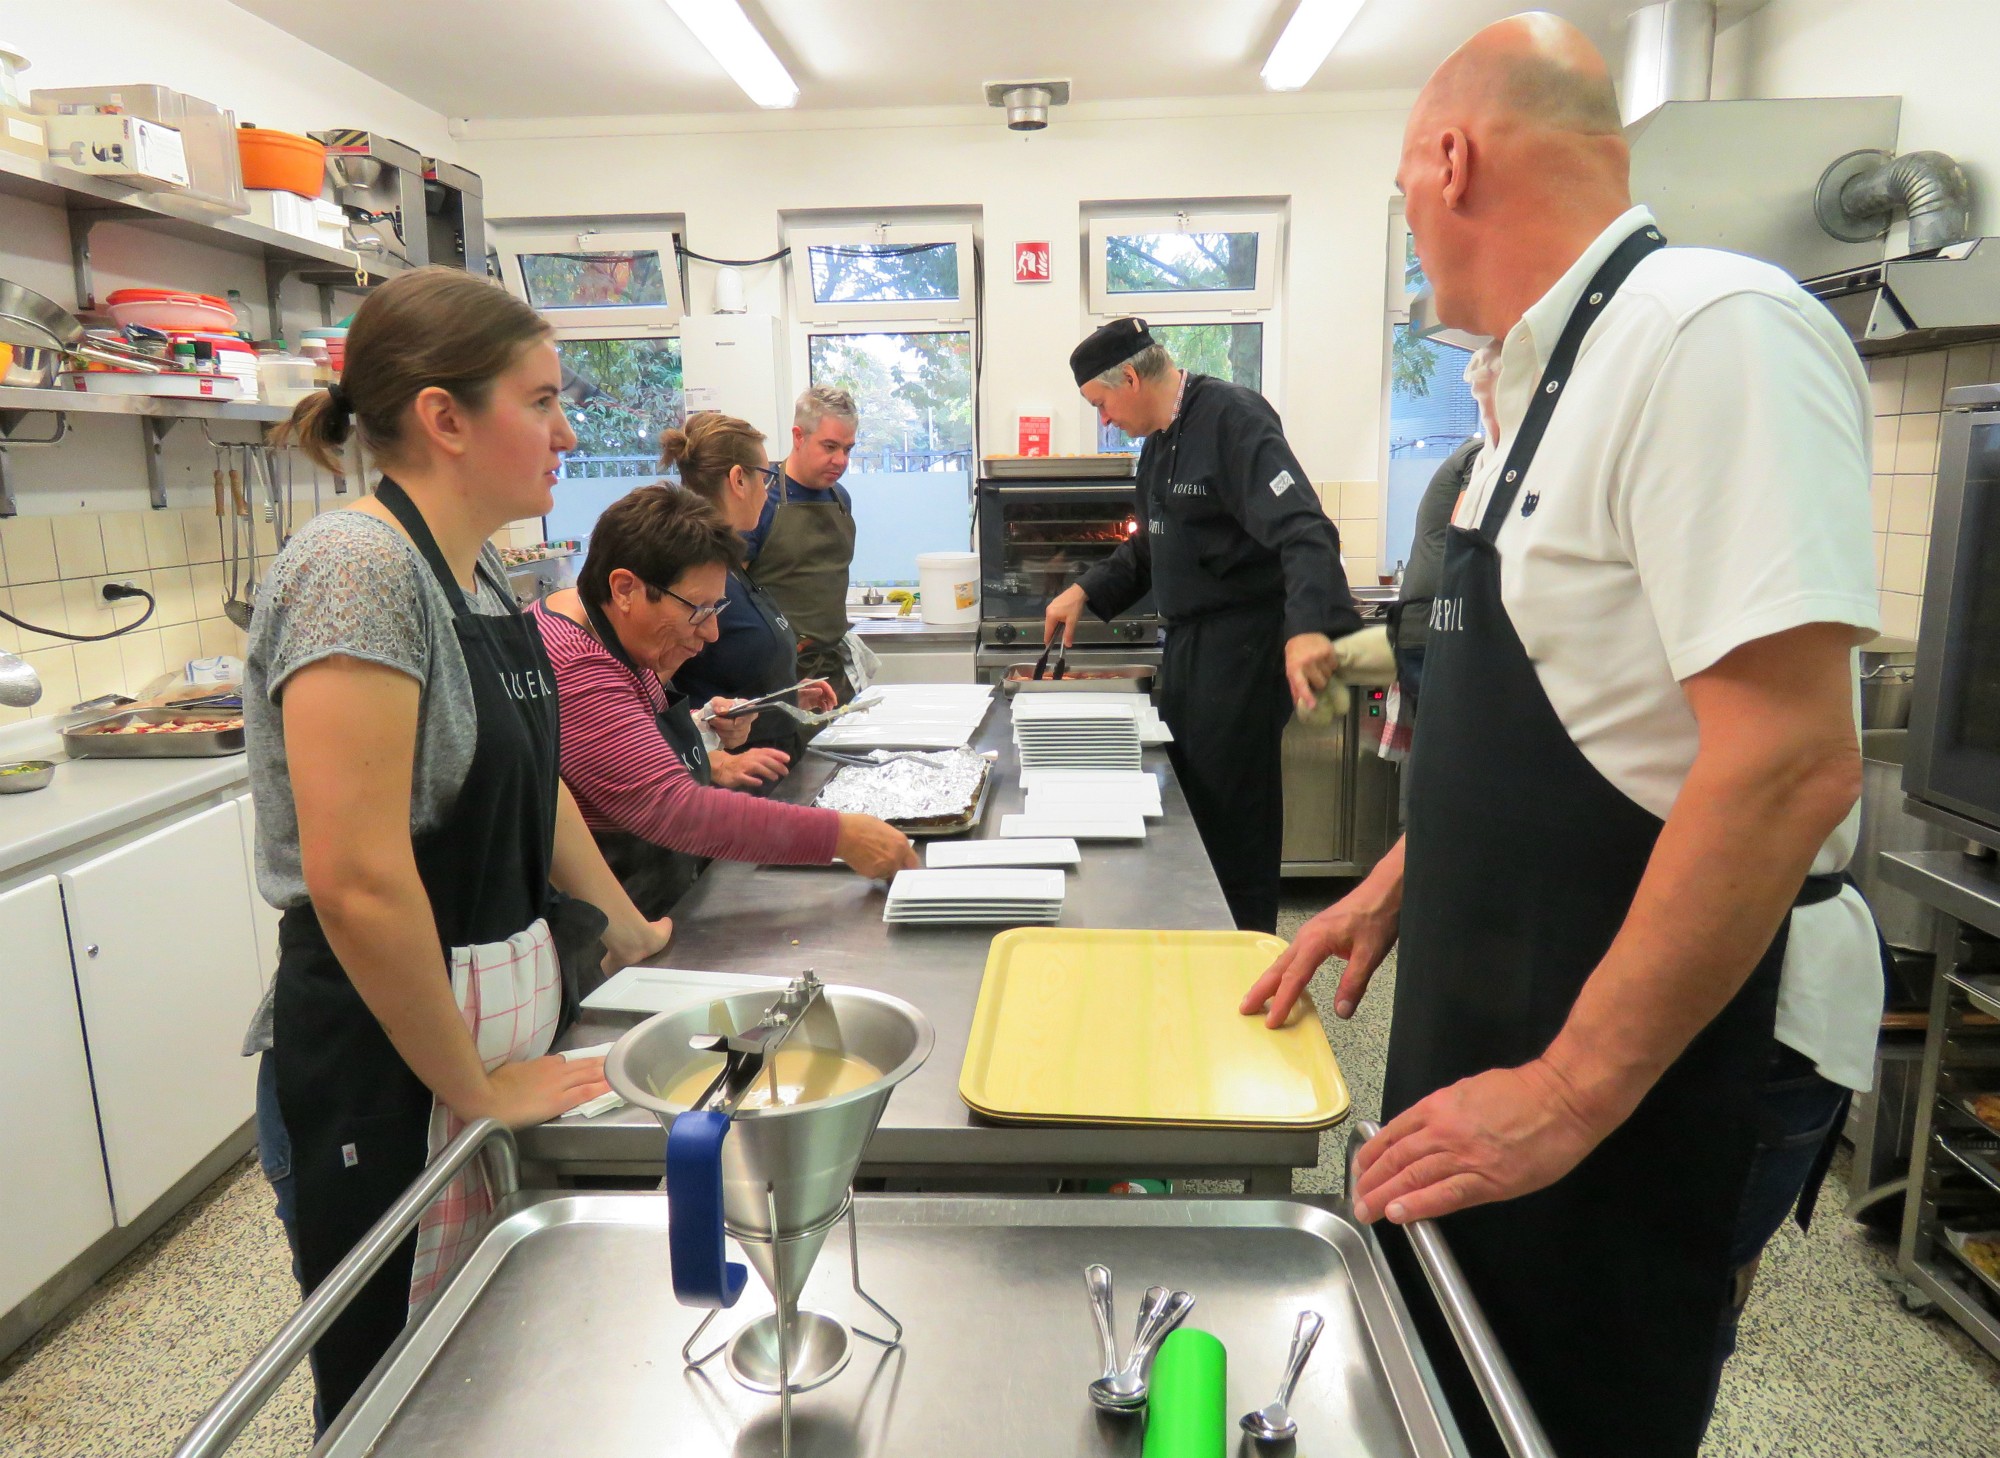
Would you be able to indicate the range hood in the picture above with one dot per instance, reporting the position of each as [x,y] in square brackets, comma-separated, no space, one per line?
[1924,301]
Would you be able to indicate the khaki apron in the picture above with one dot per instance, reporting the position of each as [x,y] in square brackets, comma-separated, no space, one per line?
[803,564]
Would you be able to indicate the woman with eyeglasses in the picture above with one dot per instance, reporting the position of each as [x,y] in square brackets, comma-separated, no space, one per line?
[756,651]
[653,586]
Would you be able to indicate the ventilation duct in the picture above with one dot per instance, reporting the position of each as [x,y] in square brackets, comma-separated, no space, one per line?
[1862,192]
[1669,56]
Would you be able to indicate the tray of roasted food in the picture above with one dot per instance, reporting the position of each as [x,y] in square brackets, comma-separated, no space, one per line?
[1107,678]
[922,794]
[157,734]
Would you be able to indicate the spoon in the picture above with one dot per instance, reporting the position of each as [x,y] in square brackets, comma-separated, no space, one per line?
[1273,1422]
[1097,1281]
[1157,1316]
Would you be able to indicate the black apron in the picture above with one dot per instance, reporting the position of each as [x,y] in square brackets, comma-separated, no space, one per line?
[1224,694]
[654,876]
[1607,1288]
[759,658]
[358,1117]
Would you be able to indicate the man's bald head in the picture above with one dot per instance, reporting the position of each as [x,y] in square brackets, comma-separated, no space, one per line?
[1513,155]
[1536,71]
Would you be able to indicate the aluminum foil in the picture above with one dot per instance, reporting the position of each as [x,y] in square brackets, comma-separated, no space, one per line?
[909,787]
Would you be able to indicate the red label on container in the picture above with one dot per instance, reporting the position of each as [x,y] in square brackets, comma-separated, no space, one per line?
[1035,435]
[1031,263]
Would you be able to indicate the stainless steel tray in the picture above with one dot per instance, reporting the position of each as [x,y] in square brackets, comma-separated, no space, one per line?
[561,1335]
[87,741]
[1096,678]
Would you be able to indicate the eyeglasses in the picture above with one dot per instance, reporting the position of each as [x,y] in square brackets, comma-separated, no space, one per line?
[769,473]
[696,615]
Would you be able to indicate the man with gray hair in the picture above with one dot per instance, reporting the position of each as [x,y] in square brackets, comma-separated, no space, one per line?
[1245,568]
[803,544]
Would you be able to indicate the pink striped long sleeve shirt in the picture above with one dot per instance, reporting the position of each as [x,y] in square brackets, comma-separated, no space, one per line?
[625,776]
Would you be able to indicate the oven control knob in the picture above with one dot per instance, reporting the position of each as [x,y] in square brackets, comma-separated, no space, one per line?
[1006,632]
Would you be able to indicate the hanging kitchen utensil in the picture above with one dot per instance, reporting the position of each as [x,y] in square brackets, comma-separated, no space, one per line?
[234,607]
[20,685]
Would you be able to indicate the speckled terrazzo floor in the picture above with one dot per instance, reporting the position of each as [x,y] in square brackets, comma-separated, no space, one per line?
[1830,1366]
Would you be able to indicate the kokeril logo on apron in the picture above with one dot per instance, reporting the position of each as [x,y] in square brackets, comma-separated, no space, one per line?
[1447,615]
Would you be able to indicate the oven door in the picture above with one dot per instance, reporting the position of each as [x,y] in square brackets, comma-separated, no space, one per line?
[1953,763]
[1035,541]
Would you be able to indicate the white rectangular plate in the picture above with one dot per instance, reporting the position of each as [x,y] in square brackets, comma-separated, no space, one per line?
[668,989]
[1129,826]
[951,853]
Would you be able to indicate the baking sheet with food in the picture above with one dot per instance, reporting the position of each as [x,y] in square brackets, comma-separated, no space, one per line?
[921,794]
[156,734]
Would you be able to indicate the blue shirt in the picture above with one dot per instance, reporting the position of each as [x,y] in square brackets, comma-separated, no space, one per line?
[753,540]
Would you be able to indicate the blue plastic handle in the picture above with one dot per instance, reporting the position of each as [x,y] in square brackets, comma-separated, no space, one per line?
[694,1212]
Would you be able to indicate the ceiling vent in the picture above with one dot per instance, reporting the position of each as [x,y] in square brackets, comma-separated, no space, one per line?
[1027,103]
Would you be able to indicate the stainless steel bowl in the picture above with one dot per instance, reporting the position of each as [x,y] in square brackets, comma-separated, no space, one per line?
[23,775]
[31,367]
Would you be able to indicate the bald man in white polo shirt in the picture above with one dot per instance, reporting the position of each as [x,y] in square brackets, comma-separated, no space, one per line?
[1632,992]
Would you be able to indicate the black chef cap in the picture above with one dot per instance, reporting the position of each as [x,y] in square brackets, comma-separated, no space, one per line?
[1107,348]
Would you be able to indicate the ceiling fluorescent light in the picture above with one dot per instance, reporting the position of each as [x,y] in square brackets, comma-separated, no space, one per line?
[1309,38]
[722,27]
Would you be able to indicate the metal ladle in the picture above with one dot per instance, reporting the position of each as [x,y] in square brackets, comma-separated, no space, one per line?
[1159,1314]
[20,685]
[1273,1422]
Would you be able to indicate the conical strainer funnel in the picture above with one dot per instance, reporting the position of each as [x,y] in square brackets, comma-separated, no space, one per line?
[781,1176]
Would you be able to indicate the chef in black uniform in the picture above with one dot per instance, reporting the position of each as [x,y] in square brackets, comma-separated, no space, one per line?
[1245,568]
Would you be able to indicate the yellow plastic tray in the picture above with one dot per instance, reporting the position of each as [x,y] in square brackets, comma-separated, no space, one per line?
[1141,1027]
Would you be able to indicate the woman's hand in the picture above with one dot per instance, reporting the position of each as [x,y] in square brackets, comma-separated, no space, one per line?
[732,732]
[816,696]
[521,1095]
[634,941]
[873,848]
[748,770]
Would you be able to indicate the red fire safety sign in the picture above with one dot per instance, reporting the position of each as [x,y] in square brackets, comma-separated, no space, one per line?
[1031,263]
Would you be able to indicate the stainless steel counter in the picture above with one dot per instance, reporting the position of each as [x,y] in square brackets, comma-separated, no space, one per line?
[742,918]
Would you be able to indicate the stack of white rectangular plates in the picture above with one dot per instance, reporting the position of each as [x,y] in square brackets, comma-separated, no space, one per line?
[1056,852]
[1056,731]
[975,896]
[912,716]
[1094,824]
[1153,730]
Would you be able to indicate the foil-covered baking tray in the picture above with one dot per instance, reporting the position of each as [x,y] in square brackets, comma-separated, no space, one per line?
[921,794]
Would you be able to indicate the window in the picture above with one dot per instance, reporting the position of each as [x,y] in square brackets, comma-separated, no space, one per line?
[1164,263]
[624,392]
[911,473]
[592,278]
[902,273]
[1206,283]
[1233,352]
[1431,409]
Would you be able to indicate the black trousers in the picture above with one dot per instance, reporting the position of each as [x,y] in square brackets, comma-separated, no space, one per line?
[1223,693]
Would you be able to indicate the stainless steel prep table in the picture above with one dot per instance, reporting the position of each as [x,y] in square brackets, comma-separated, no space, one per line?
[778,920]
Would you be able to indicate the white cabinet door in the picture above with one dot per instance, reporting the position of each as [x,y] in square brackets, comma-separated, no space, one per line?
[166,962]
[263,915]
[53,1200]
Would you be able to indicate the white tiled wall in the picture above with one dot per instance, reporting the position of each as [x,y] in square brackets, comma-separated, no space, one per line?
[1909,401]
[1356,509]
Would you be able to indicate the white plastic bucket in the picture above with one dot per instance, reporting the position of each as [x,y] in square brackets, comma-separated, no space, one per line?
[949,582]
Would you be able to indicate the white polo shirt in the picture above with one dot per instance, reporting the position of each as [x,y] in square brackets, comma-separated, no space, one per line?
[1704,483]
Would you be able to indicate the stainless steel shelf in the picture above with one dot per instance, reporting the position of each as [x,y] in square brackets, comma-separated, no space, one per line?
[44,182]
[1980,991]
[154,407]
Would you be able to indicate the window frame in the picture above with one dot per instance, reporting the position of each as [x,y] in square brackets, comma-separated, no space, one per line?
[510,243]
[883,316]
[585,333]
[1102,304]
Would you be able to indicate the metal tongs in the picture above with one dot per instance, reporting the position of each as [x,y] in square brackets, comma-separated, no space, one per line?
[745,1054]
[773,700]
[1061,651]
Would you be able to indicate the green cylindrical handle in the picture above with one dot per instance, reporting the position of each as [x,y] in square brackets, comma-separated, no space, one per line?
[1187,1402]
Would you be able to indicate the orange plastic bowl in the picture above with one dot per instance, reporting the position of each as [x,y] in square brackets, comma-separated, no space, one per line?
[281,161]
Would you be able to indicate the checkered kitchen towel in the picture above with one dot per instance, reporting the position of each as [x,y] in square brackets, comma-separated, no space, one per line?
[509,994]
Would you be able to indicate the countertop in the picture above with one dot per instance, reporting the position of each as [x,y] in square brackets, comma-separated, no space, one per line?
[93,798]
[883,625]
[780,920]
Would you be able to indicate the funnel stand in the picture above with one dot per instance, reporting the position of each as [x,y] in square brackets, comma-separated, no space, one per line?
[854,1273]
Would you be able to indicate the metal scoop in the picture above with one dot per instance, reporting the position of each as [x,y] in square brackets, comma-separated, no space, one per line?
[20,686]
[1159,1313]
[1273,1422]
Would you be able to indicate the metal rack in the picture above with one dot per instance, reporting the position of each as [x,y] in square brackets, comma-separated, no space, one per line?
[1955,1172]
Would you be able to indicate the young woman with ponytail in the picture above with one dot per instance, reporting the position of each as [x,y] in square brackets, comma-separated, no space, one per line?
[402,722]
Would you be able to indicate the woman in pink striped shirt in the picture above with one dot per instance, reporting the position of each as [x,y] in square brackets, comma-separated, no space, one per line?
[632,755]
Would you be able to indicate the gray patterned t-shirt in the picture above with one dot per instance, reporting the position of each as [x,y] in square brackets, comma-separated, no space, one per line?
[350,585]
